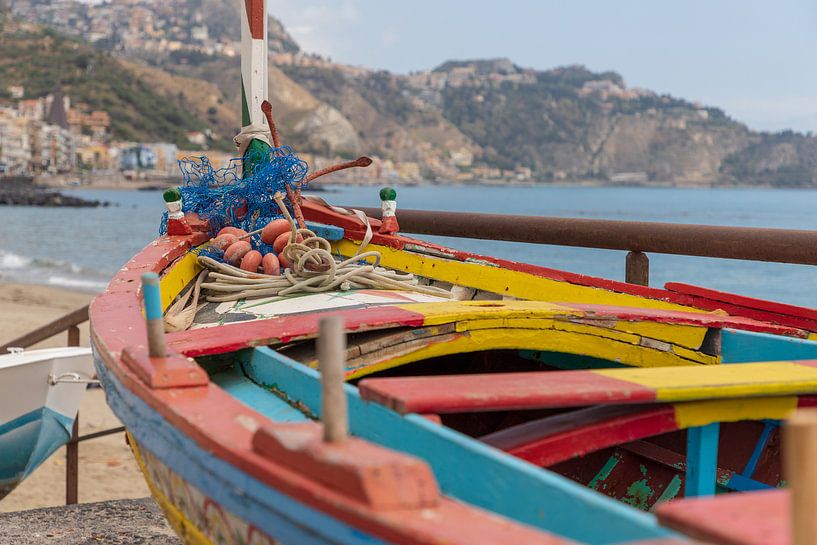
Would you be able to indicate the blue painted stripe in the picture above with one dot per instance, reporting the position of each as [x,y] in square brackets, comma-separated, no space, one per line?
[739,483]
[28,440]
[702,460]
[747,346]
[760,446]
[329,232]
[151,295]
[467,469]
[274,513]
[239,386]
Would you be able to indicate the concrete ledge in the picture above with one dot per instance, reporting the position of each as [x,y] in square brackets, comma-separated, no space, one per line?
[121,522]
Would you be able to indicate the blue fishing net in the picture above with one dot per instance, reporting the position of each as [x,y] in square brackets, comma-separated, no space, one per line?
[223,197]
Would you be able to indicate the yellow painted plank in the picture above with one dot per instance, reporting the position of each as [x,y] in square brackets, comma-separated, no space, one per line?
[701,413]
[503,281]
[696,355]
[177,277]
[595,330]
[531,339]
[183,526]
[689,336]
[458,311]
[722,381]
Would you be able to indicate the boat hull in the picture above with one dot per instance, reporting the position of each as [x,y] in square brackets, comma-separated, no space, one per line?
[200,494]
[36,417]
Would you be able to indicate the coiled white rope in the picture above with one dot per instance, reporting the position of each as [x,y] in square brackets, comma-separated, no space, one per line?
[314,270]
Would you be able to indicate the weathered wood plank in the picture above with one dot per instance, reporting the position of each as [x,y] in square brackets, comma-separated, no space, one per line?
[553,389]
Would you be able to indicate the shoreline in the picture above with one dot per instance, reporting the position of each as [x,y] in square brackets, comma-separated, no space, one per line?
[154,185]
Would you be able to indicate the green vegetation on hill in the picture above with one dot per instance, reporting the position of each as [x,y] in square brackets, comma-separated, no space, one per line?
[784,159]
[41,60]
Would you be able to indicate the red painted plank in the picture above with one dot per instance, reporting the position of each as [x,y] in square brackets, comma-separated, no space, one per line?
[553,439]
[771,318]
[688,318]
[744,301]
[239,335]
[173,371]
[754,518]
[376,476]
[501,391]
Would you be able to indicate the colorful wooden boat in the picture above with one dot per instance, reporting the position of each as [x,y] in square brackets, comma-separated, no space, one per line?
[609,395]
[40,391]
[489,401]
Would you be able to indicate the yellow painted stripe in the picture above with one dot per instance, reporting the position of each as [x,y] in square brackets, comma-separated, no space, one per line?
[503,281]
[179,275]
[569,342]
[184,528]
[689,336]
[701,413]
[722,381]
[455,311]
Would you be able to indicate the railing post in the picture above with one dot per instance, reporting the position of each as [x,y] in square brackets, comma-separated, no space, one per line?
[72,448]
[637,268]
[72,466]
[73,336]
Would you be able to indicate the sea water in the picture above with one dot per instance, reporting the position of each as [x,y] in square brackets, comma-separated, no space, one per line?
[82,248]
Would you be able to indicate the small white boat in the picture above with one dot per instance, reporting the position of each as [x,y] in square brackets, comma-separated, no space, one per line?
[40,391]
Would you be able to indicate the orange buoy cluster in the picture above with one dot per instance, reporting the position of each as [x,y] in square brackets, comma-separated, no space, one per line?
[239,252]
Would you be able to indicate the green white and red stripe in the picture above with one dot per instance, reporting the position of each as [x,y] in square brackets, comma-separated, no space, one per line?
[254,57]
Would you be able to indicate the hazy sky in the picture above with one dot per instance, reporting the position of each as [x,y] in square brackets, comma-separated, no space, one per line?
[756,60]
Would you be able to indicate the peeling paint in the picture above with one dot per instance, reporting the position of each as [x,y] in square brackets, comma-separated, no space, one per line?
[639,494]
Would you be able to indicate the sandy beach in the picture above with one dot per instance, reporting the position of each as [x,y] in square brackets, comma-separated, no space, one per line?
[107,470]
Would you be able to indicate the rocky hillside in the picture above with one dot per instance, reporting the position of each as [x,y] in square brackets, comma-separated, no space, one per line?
[462,120]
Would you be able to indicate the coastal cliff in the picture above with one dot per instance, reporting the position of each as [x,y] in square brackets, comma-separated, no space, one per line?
[464,120]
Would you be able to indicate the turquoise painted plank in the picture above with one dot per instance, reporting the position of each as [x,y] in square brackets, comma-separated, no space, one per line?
[702,460]
[465,468]
[329,232]
[239,386]
[746,346]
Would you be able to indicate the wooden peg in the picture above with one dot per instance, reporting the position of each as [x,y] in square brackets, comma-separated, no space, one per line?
[800,468]
[151,295]
[332,361]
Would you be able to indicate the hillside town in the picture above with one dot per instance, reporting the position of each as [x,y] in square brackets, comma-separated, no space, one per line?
[52,135]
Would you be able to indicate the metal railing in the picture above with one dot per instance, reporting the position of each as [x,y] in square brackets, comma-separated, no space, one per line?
[69,323]
[635,237]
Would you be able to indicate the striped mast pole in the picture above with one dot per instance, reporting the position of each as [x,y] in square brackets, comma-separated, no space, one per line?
[254,74]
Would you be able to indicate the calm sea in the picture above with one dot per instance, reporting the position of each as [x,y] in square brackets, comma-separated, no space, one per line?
[82,248]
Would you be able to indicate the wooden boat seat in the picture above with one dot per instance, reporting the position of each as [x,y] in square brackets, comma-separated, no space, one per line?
[558,389]
[557,438]
[740,305]
[752,518]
